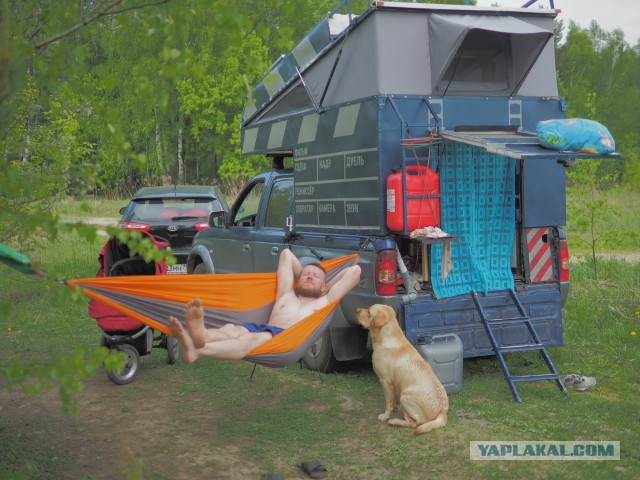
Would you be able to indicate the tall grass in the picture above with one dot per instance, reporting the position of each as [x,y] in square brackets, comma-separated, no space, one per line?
[41,315]
[90,207]
[617,228]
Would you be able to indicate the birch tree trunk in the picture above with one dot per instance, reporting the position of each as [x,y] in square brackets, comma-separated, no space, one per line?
[181,172]
[159,150]
[30,120]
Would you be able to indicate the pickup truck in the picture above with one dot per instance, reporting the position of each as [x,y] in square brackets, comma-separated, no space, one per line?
[250,237]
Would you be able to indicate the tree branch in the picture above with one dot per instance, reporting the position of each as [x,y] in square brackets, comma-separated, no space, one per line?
[104,12]
[77,27]
[138,7]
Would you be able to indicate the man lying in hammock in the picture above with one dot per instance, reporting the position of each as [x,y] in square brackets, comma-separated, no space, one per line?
[234,342]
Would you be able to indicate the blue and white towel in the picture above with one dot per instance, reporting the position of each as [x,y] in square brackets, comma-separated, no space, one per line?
[478,207]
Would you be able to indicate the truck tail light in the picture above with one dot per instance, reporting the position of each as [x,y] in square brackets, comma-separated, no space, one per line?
[202,226]
[386,273]
[564,261]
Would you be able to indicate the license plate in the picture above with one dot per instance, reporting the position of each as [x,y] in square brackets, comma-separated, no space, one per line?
[177,269]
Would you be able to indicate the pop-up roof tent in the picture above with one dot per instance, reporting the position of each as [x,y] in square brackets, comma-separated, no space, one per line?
[341,102]
[410,49]
[483,54]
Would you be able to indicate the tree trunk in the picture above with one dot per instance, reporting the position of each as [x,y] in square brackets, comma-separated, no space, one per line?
[159,150]
[30,120]
[181,173]
[214,170]
[197,148]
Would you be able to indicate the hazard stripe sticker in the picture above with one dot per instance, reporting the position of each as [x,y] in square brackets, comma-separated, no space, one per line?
[540,265]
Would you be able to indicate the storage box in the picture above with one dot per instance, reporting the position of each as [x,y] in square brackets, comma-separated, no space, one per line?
[445,354]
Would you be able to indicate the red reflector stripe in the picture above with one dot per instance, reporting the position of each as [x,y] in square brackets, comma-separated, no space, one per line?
[540,266]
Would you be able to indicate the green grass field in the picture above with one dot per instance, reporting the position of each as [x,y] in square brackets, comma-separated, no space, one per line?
[617,226]
[207,420]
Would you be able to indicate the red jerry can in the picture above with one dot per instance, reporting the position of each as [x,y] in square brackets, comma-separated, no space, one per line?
[423,199]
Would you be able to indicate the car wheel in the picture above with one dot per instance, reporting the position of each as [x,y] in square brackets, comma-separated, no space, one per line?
[320,355]
[200,268]
[173,349]
[131,365]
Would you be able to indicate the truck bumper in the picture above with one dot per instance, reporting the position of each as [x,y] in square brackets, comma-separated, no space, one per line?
[458,315]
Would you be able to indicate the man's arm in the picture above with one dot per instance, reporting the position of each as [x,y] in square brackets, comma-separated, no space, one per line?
[343,282]
[289,269]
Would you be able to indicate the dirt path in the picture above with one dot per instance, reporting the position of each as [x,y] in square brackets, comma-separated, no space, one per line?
[96,221]
[119,426]
[631,257]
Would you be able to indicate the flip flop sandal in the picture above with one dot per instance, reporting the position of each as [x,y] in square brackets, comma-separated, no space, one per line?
[571,379]
[314,469]
[584,384]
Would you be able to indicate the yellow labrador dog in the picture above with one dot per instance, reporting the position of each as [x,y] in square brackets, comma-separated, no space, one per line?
[407,379]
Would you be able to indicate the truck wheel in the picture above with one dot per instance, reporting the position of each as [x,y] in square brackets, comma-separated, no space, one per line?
[320,355]
[200,268]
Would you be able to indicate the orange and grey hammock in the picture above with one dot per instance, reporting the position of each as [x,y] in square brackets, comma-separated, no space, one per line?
[227,298]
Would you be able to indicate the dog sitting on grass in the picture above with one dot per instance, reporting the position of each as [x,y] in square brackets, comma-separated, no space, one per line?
[407,379]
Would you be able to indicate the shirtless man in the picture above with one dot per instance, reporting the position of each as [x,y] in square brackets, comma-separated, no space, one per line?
[234,342]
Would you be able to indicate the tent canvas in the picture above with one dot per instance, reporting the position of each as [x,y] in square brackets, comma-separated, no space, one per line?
[475,54]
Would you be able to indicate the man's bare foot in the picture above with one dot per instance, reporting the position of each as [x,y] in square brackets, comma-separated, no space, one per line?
[194,316]
[188,350]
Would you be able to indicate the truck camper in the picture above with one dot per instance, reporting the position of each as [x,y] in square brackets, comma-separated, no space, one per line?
[409,131]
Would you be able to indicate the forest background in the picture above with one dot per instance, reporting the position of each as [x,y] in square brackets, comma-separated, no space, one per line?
[102,97]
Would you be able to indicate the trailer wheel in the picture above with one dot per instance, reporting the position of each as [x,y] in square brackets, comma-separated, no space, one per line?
[131,365]
[320,355]
[173,349]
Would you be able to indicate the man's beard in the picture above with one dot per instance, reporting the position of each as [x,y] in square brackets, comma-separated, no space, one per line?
[308,292]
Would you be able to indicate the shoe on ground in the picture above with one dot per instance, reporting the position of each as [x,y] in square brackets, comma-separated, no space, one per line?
[583,384]
[570,379]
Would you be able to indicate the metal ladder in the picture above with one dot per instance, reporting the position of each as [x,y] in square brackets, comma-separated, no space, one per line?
[535,344]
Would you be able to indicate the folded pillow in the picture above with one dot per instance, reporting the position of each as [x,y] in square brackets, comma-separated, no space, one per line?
[578,134]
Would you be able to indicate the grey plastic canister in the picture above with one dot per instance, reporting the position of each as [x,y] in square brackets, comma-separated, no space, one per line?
[445,355]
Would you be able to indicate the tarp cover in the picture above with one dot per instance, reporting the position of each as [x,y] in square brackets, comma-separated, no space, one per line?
[228,298]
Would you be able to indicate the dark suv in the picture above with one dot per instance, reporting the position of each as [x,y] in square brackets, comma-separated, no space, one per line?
[175,213]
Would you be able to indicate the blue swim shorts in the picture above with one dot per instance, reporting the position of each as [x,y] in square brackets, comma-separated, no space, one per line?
[254,327]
